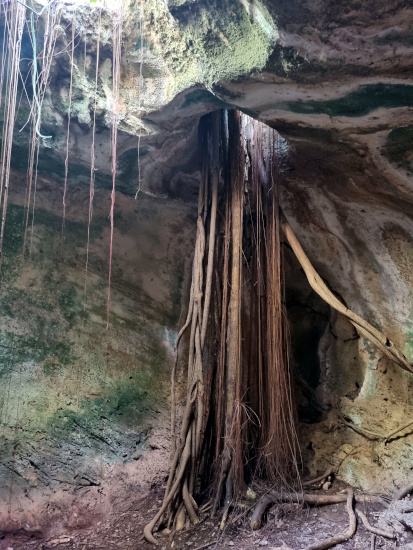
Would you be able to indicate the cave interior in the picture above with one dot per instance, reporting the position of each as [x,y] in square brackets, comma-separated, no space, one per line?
[107,172]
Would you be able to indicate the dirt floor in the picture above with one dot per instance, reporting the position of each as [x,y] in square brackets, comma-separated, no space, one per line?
[122,528]
[112,515]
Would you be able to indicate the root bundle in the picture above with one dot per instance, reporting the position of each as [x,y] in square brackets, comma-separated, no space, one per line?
[238,420]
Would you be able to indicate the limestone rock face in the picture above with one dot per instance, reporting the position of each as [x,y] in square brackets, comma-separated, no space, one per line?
[336,80]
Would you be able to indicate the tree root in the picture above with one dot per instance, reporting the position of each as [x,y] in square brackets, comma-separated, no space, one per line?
[380,340]
[328,543]
[374,530]
[330,470]
[375,436]
[168,497]
[368,434]
[404,491]
[397,430]
[206,507]
[225,464]
[189,504]
[178,501]
[207,441]
[304,498]
[228,500]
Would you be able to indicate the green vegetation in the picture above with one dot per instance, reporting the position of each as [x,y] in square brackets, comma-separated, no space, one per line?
[46,346]
[210,41]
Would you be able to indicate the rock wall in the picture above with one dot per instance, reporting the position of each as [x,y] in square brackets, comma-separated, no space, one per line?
[80,403]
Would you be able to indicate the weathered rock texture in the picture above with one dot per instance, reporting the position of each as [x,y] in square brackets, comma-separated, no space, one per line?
[335,79]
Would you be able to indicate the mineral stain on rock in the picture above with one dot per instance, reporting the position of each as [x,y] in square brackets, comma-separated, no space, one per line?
[358,103]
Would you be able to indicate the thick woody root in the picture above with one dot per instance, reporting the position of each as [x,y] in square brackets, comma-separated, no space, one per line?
[343,537]
[380,340]
[404,491]
[169,495]
[330,470]
[311,499]
[319,500]
[375,436]
[178,500]
[397,430]
[374,530]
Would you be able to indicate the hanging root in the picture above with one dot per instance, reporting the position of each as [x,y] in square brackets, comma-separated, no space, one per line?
[338,539]
[380,340]
[14,43]
[117,25]
[229,490]
[190,504]
[225,465]
[239,414]
[368,434]
[178,497]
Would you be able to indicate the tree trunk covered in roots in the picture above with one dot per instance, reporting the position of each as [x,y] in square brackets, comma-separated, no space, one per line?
[238,422]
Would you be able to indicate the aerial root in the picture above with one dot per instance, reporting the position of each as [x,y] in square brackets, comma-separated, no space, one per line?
[189,503]
[397,430]
[211,447]
[375,436]
[177,481]
[226,462]
[281,498]
[171,494]
[228,500]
